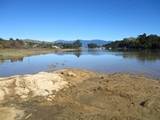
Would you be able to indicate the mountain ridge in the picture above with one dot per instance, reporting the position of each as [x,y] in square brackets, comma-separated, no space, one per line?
[85,42]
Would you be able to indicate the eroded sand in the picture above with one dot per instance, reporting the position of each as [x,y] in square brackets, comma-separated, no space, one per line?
[79,95]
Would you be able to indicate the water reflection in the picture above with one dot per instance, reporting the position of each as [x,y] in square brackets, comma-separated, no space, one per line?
[16,59]
[1,60]
[146,62]
[143,56]
[78,54]
[20,59]
[146,55]
[83,52]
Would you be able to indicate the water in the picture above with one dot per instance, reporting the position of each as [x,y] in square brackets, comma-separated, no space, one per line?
[141,62]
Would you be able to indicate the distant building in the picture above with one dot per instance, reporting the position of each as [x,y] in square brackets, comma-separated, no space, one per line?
[55,47]
[110,48]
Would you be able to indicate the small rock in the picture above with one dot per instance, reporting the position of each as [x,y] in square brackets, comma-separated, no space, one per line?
[144,103]
[99,88]
[62,73]
[102,77]
[71,74]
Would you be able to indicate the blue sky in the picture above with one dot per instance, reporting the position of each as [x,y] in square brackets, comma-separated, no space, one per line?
[78,19]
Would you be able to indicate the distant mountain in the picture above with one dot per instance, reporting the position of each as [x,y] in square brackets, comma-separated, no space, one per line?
[36,41]
[98,42]
[85,42]
[64,41]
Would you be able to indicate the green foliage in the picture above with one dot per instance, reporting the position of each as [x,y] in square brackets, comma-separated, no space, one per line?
[11,43]
[77,44]
[74,45]
[141,42]
[92,45]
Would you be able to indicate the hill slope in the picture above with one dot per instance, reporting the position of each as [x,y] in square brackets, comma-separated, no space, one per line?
[85,42]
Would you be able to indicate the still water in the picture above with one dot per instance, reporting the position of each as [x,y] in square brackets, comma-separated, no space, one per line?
[141,62]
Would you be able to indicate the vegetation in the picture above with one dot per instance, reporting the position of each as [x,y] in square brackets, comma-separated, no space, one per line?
[17,49]
[18,54]
[75,45]
[11,43]
[92,45]
[141,42]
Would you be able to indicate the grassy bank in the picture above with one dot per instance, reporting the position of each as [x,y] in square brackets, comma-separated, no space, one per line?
[20,53]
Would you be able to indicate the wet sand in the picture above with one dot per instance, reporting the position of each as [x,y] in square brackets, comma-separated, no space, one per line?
[72,94]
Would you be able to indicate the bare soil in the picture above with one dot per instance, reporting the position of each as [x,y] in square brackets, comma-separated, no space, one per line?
[87,96]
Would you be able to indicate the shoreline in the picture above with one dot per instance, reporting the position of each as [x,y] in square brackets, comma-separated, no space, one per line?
[79,94]
[15,54]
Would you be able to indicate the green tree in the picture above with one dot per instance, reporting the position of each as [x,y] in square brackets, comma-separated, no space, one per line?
[141,42]
[77,44]
[92,45]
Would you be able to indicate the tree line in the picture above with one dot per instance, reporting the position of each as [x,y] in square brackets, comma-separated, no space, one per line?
[141,42]
[92,45]
[18,43]
[74,45]
[11,43]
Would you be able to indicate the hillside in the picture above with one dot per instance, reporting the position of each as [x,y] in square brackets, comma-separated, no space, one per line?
[26,43]
[84,42]
[141,42]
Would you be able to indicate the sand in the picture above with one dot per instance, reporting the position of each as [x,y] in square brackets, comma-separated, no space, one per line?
[72,94]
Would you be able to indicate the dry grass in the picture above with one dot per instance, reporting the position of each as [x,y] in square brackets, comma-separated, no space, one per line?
[20,53]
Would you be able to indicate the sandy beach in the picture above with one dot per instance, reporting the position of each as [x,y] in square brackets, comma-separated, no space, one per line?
[72,94]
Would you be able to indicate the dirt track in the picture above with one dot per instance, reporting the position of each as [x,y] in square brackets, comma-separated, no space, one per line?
[89,96]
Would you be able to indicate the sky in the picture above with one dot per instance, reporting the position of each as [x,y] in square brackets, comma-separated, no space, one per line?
[51,20]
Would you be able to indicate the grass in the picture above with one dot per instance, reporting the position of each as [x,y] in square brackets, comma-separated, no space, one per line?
[20,53]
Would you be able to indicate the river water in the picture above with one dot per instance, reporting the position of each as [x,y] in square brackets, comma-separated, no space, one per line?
[141,62]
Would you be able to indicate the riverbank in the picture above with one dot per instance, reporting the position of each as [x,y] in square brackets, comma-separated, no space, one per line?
[72,94]
[6,54]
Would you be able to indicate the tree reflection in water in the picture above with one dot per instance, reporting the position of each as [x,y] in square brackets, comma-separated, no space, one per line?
[143,55]
[20,59]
